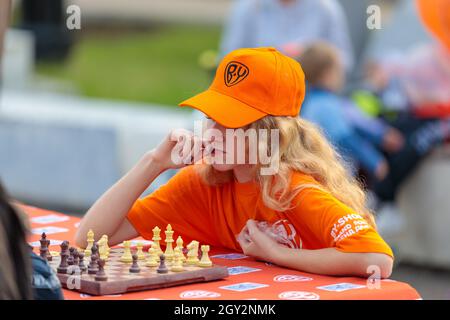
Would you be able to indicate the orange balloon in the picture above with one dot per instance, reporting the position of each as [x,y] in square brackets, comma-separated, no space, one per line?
[435,15]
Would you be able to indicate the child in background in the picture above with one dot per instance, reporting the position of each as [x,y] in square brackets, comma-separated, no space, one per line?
[357,136]
[388,152]
[309,198]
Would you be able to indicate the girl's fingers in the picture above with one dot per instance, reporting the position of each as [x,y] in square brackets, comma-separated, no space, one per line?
[197,149]
[242,242]
[252,229]
[178,134]
[256,235]
[241,236]
[190,145]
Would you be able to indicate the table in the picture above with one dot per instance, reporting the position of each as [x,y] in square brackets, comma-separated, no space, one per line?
[255,280]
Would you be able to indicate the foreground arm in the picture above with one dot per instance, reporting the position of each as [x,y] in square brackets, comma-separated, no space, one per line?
[330,261]
[327,261]
[108,214]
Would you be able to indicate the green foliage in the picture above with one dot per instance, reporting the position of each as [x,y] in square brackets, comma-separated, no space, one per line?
[159,66]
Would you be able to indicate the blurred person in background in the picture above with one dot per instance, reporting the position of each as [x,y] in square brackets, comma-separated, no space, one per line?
[5,8]
[387,152]
[417,81]
[413,89]
[287,25]
[350,129]
[15,266]
[23,274]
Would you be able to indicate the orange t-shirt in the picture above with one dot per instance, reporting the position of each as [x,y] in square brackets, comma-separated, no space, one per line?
[216,214]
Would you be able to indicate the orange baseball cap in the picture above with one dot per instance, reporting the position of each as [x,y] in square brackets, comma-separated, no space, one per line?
[251,84]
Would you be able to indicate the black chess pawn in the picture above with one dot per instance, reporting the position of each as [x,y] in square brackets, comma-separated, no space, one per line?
[93,265]
[101,275]
[70,258]
[81,262]
[62,268]
[75,257]
[162,265]
[74,266]
[94,249]
[135,266]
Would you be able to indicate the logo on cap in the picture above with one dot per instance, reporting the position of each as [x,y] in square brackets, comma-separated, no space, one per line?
[235,72]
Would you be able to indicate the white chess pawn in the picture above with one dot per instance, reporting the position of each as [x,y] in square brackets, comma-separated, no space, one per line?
[205,261]
[177,265]
[152,260]
[180,247]
[139,252]
[126,257]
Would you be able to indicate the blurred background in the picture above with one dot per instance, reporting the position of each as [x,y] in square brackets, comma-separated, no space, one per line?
[81,102]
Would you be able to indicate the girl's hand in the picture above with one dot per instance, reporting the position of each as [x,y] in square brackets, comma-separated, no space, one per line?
[179,149]
[257,244]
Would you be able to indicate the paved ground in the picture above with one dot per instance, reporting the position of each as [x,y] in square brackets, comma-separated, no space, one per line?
[430,283]
[144,11]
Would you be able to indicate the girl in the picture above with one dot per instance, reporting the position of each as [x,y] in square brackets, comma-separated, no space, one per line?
[15,266]
[308,214]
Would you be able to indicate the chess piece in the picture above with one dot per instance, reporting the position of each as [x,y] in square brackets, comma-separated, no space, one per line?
[205,261]
[49,254]
[107,248]
[43,249]
[126,257]
[94,249]
[75,257]
[100,275]
[192,256]
[162,265]
[140,253]
[74,263]
[177,265]
[156,238]
[70,258]
[62,268]
[93,265]
[90,241]
[81,262]
[135,266]
[152,260]
[169,244]
[102,248]
[179,243]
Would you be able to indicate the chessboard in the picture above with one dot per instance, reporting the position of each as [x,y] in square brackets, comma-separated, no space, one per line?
[119,279]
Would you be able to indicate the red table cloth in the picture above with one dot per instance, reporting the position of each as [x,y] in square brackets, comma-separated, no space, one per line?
[249,279]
